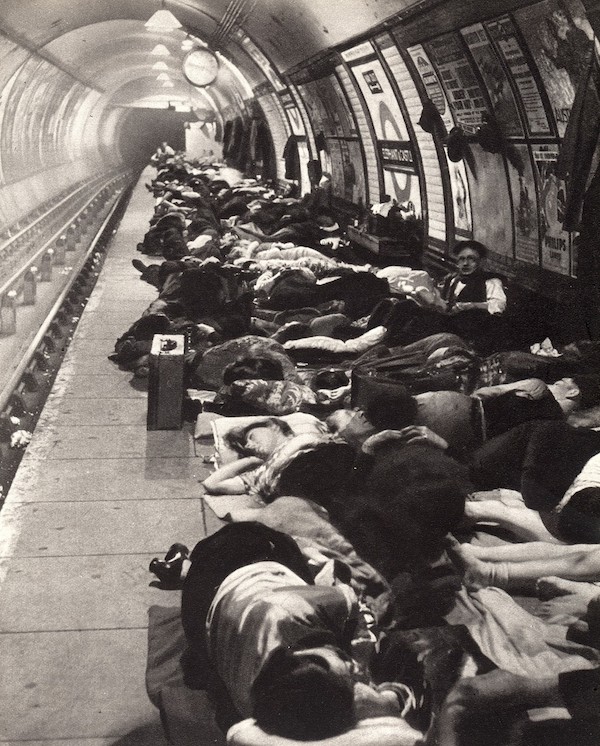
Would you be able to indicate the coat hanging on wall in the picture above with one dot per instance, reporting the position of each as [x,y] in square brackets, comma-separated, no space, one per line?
[292,159]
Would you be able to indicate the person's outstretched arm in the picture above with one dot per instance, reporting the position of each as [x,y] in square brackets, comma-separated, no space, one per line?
[227,480]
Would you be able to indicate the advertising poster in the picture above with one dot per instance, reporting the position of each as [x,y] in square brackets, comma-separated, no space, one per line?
[491,204]
[316,110]
[336,168]
[527,236]
[344,116]
[459,80]
[554,240]
[559,38]
[497,84]
[293,113]
[461,201]
[433,87]
[508,45]
[354,175]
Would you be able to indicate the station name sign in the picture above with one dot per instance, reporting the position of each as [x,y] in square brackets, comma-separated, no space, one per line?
[397,155]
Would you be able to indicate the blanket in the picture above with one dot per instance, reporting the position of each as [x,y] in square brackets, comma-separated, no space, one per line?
[308,523]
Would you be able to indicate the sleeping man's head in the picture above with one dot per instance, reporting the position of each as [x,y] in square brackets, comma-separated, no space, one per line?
[315,693]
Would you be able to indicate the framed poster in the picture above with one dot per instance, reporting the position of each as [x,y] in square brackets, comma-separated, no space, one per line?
[293,113]
[525,210]
[432,84]
[496,81]
[560,40]
[457,172]
[556,243]
[504,34]
[459,80]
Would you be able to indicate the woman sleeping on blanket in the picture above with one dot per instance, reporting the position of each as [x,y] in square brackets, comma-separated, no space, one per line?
[276,462]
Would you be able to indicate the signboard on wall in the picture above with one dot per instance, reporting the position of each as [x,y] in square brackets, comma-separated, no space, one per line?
[459,80]
[556,243]
[560,40]
[507,43]
[496,82]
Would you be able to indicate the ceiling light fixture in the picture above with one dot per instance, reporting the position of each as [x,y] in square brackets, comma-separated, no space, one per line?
[160,65]
[162,20]
[163,76]
[168,84]
[161,51]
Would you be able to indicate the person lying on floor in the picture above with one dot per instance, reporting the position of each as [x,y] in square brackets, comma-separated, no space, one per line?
[539,459]
[276,462]
[406,492]
[476,704]
[268,643]
[507,405]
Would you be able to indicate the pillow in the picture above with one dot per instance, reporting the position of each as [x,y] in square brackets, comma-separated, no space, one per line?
[328,344]
[382,731]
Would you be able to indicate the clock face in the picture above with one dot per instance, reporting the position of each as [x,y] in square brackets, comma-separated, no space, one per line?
[200,67]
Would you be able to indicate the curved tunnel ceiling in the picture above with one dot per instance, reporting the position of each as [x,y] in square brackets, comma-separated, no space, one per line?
[107,46]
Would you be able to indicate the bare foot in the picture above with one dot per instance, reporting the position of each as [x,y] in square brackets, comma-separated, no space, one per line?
[475,573]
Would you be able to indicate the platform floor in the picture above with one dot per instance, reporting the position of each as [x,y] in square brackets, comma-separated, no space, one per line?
[95,498]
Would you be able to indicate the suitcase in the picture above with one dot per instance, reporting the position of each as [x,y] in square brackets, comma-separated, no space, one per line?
[165,383]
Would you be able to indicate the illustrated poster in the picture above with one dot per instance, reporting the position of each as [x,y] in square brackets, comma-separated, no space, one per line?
[555,241]
[560,40]
[527,236]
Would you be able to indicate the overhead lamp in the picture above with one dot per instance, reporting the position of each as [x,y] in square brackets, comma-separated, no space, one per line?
[168,84]
[162,20]
[200,67]
[161,51]
[163,76]
[160,65]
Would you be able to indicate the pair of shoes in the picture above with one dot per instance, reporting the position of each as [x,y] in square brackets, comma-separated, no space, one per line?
[168,570]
